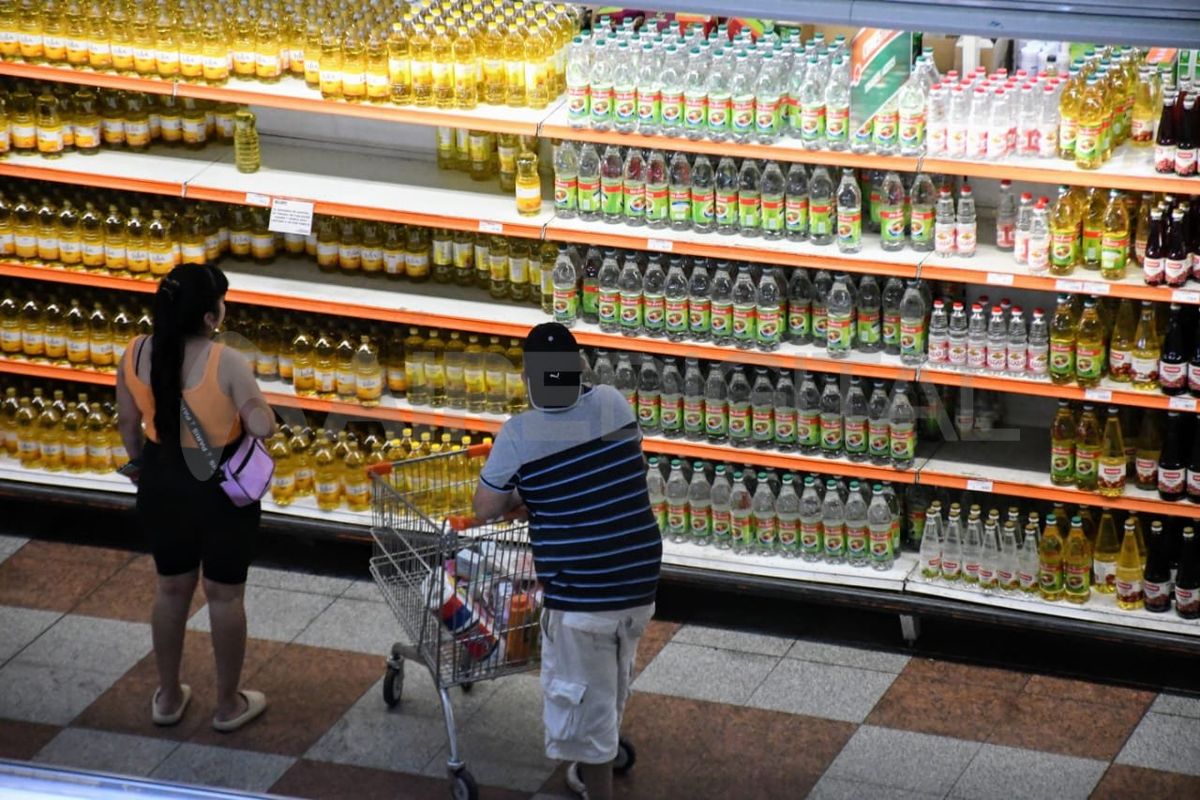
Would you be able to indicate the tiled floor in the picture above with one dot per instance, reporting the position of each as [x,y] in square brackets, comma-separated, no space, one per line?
[716,713]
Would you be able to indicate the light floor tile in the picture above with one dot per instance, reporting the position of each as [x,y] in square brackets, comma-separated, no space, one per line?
[831,788]
[104,751]
[357,625]
[224,767]
[1166,742]
[1002,773]
[741,641]
[825,653]
[916,762]
[705,673]
[10,544]
[1177,704]
[49,693]
[273,614]
[821,690]
[93,643]
[294,581]
[20,626]
[363,590]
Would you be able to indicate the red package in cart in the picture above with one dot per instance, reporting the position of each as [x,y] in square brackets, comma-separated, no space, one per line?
[471,626]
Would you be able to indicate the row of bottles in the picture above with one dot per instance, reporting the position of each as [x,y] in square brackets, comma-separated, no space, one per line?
[448,54]
[41,429]
[730,507]
[335,359]
[1094,456]
[89,330]
[1178,136]
[50,119]
[995,556]
[767,409]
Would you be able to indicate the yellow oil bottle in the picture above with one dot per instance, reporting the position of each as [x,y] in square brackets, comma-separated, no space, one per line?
[324,367]
[466,93]
[124,328]
[356,484]
[33,341]
[29,450]
[1114,253]
[91,231]
[168,46]
[144,40]
[399,65]
[1088,441]
[368,373]
[86,122]
[49,437]
[100,340]
[330,79]
[378,75]
[29,37]
[54,331]
[1050,561]
[528,185]
[1092,115]
[283,482]
[514,66]
[417,386]
[1129,570]
[217,53]
[1090,347]
[194,124]
[47,231]
[354,68]
[303,374]
[247,155]
[268,49]
[416,254]
[421,65]
[74,439]
[50,142]
[99,443]
[1146,350]
[266,361]
[305,474]
[371,247]
[160,249]
[349,245]
[54,29]
[328,482]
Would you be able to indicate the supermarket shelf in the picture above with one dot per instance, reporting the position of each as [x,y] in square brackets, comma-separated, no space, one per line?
[45,370]
[276,285]
[1101,608]
[1130,168]
[871,258]
[292,94]
[341,182]
[1020,468]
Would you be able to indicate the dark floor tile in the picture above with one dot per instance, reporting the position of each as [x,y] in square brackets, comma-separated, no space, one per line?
[21,740]
[308,689]
[656,637]
[1130,783]
[960,710]
[323,780]
[1089,692]
[938,672]
[125,707]
[1068,727]
[129,594]
[40,548]
[54,584]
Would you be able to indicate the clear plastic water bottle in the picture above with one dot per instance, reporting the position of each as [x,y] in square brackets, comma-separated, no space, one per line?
[855,422]
[849,213]
[762,410]
[840,318]
[633,178]
[600,82]
[608,301]
[869,304]
[703,195]
[879,447]
[796,77]
[630,307]
[1017,357]
[822,283]
[720,506]
[810,508]
[784,398]
[744,295]
[945,224]
[913,326]
[931,543]
[649,388]
[766,525]
[821,215]
[749,206]
[976,339]
[958,122]
[649,91]
[679,192]
[699,506]
[578,77]
[693,400]
[1023,228]
[902,428]
[799,307]
[957,354]
[726,196]
[832,420]
[741,92]
[837,109]
[1001,123]
[812,107]
[673,75]
[966,226]
[654,304]
[1039,239]
[879,523]
[587,184]
[658,493]
[699,302]
[787,515]
[625,380]
[795,212]
[1006,217]
[808,414]
[772,189]
[913,103]
[695,95]
[671,400]
[997,342]
[939,335]
[937,121]
[1039,346]
[857,533]
[833,524]
[721,306]
[612,195]
[658,201]
[1029,114]
[893,293]
[678,527]
[716,405]
[768,99]
[741,521]
[624,80]
[1048,123]
[891,213]
[718,97]
[769,312]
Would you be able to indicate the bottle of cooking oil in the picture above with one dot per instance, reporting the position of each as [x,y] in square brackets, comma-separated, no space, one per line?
[1068,114]
[47,231]
[371,247]
[394,252]
[349,245]
[356,481]
[54,331]
[1089,149]
[327,244]
[1077,564]
[417,387]
[368,373]
[266,362]
[91,232]
[515,380]
[191,47]
[454,360]
[354,68]
[1146,351]
[466,93]
[262,238]
[1129,571]
[498,267]
[99,443]
[268,49]
[442,62]
[435,368]
[327,480]
[444,147]
[29,450]
[1064,234]
[324,367]
[74,439]
[160,249]
[100,344]
[538,74]
[1089,346]
[245,141]
[399,64]
[416,259]
[283,482]
[305,473]
[1088,443]
[33,343]
[124,328]
[49,126]
[331,65]
[86,122]
[528,185]
[217,53]
[1114,252]
[377,73]
[1050,561]
[303,374]
[165,45]
[514,65]
[507,148]
[421,65]
[194,124]
[392,359]
[347,382]
[481,154]
[137,246]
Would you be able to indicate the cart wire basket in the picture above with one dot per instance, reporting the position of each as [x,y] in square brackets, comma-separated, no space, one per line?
[464,591]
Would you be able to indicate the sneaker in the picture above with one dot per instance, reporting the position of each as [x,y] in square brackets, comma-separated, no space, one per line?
[574,782]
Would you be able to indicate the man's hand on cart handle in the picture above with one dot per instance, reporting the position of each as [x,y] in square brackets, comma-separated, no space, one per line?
[462,522]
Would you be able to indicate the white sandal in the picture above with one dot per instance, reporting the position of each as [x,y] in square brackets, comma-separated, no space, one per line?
[256,703]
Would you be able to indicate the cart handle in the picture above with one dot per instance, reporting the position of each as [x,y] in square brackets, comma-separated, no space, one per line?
[385,467]
[462,522]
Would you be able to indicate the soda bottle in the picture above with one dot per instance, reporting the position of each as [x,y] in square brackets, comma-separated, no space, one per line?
[849,214]
[741,519]
[657,194]
[1089,347]
[833,525]
[716,406]
[840,318]
[912,325]
[1172,469]
[720,507]
[678,523]
[1187,579]
[725,205]
[945,224]
[1129,570]
[1156,580]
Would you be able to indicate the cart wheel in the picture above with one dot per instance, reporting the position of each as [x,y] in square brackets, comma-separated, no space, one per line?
[393,686]
[626,757]
[463,786]
[467,687]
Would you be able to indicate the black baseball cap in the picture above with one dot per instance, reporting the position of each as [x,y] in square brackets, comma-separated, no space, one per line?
[553,366]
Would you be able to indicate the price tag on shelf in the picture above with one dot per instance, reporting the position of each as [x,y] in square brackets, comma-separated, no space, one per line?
[1097,287]
[976,485]
[1063,285]
[1102,395]
[662,245]
[1181,296]
[255,199]
[291,216]
[1182,404]
[1000,278]
[490,227]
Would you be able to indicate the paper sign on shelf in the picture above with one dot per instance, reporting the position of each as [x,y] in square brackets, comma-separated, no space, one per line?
[1061,285]
[256,199]
[490,227]
[1097,287]
[662,245]
[1000,278]
[974,485]
[1102,395]
[1182,296]
[291,216]
[1182,404]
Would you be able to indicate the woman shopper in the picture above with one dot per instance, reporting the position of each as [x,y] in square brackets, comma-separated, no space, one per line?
[188,519]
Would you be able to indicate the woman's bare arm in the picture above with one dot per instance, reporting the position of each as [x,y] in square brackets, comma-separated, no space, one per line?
[129,416]
[257,417]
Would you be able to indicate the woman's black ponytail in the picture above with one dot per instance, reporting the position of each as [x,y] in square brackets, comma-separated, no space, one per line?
[182,300]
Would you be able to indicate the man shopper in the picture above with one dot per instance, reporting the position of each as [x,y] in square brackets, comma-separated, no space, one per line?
[575,461]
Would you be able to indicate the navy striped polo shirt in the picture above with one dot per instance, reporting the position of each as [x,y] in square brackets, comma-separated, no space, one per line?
[581,473]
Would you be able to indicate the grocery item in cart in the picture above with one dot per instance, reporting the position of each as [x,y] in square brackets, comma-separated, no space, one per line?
[471,625]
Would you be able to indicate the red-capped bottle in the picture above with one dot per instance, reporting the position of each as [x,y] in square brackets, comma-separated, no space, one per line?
[1164,145]
[1172,471]
[1173,362]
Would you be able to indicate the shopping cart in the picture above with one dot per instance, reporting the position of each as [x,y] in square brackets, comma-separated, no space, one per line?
[464,591]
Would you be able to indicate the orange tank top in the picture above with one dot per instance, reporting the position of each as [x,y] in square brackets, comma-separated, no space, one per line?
[214,409]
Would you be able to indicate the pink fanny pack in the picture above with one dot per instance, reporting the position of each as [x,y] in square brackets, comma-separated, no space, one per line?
[246,474]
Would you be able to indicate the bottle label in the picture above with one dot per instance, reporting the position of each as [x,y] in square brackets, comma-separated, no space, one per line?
[1064,248]
[631,311]
[870,329]
[703,207]
[1077,576]
[693,414]
[716,422]
[903,440]
[578,104]
[676,315]
[587,195]
[1171,481]
[1062,462]
[808,429]
[1087,143]
[1142,369]
[849,227]
[997,359]
[1050,578]
[856,541]
[879,439]
[912,337]
[739,421]
[810,537]
[799,322]
[612,197]
[1185,161]
[1111,474]
[1176,270]
[656,203]
[1089,360]
[912,129]
[943,237]
[1194,377]
[699,316]
[891,225]
[1062,358]
[837,124]
[785,426]
[812,122]
[835,540]
[648,410]
[1172,376]
[672,109]
[1006,235]
[1130,591]
[831,432]
[887,124]
[654,313]
[838,332]
[820,219]
[565,194]
[721,524]
[891,330]
[670,415]
[680,203]
[1105,572]
[976,355]
[795,214]
[772,214]
[745,322]
[695,109]
[565,305]
[856,435]
[634,200]
[625,106]
[1086,458]
[749,211]
[722,319]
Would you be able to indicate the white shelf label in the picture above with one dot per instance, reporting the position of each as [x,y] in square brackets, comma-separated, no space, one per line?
[255,199]
[1097,287]
[490,227]
[1062,285]
[662,245]
[291,216]
[1182,403]
[1000,278]
[1182,296]
[975,485]
[1102,395]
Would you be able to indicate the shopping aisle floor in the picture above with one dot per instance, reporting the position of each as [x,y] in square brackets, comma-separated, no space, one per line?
[716,712]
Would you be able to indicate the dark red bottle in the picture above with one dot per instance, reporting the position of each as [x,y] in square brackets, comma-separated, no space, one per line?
[1193,470]
[1173,363]
[1189,138]
[1152,261]
[1157,577]
[1172,470]
[1194,366]
[1187,579]
[1164,145]
[1177,264]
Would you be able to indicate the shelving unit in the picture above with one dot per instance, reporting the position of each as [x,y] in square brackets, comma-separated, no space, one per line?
[367,185]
